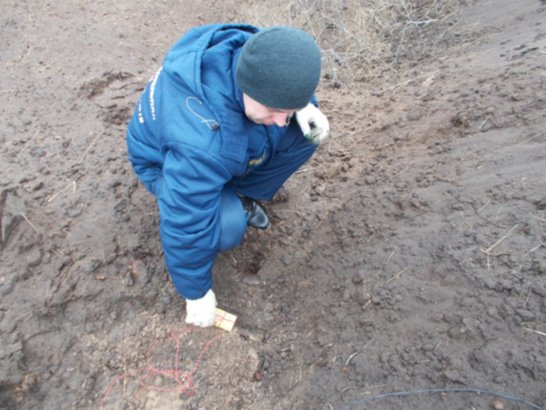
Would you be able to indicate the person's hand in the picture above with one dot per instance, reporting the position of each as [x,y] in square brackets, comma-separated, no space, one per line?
[201,312]
[313,123]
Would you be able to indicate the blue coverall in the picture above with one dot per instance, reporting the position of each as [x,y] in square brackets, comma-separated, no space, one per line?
[192,146]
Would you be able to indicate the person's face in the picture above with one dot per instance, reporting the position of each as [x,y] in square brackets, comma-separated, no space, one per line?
[260,114]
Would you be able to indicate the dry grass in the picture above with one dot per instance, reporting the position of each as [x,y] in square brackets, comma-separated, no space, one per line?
[362,38]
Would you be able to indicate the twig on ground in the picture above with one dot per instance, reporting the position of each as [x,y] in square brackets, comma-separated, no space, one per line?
[349,358]
[538,218]
[27,144]
[124,386]
[89,147]
[399,274]
[73,184]
[302,171]
[488,119]
[533,249]
[497,254]
[27,53]
[446,180]
[477,211]
[527,296]
[30,223]
[534,331]
[482,207]
[404,170]
[533,137]
[387,261]
[463,220]
[406,82]
[490,248]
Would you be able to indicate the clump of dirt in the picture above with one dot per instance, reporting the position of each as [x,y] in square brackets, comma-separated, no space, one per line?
[408,255]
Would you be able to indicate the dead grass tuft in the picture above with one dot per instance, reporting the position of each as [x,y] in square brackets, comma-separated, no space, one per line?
[363,38]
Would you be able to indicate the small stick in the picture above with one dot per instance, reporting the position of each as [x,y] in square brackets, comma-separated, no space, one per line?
[27,144]
[527,139]
[477,211]
[390,256]
[387,261]
[89,147]
[420,22]
[30,223]
[404,83]
[488,119]
[482,207]
[534,331]
[527,296]
[73,183]
[124,378]
[532,250]
[349,358]
[484,122]
[234,260]
[487,251]
[445,180]
[399,274]
[495,254]
[538,218]
[302,171]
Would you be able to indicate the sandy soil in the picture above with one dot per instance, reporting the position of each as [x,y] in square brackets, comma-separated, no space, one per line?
[409,256]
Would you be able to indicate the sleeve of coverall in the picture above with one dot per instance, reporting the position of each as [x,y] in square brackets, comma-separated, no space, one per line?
[145,160]
[189,205]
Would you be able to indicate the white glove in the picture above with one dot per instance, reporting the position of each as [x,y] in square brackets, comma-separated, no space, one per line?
[313,123]
[201,312]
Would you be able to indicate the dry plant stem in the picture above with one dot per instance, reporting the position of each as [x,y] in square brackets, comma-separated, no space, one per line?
[406,82]
[73,184]
[448,181]
[30,223]
[535,248]
[534,331]
[27,144]
[124,378]
[403,170]
[374,35]
[89,147]
[538,218]
[387,261]
[477,211]
[488,119]
[349,358]
[399,274]
[489,250]
[527,296]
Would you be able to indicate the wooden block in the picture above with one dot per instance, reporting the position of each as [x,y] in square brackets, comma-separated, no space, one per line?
[225,320]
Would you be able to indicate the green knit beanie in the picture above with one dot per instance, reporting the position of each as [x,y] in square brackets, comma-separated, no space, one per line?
[279,67]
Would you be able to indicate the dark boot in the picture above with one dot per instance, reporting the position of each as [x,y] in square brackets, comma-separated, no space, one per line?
[256,216]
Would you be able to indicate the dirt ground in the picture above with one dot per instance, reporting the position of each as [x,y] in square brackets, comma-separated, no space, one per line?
[409,256]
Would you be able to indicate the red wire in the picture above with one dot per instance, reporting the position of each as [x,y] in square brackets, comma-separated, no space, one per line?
[182,379]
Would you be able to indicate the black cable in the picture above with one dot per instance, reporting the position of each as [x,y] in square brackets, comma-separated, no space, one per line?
[447,390]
